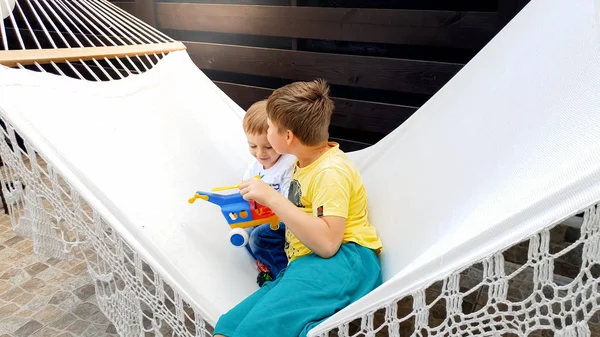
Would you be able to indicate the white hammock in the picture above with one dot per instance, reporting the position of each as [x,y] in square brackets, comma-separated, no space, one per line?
[507,149]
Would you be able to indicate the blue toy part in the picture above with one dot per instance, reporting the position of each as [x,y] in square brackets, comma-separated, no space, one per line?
[238,237]
[239,214]
[235,209]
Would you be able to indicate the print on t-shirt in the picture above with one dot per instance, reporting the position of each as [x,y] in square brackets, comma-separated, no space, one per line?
[295,193]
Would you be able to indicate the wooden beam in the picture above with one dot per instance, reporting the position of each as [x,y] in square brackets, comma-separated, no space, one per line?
[401,75]
[348,145]
[145,10]
[129,7]
[244,95]
[507,9]
[350,114]
[235,2]
[413,27]
[294,3]
[11,58]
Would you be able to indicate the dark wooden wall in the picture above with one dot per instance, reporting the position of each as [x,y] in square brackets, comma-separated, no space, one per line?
[382,58]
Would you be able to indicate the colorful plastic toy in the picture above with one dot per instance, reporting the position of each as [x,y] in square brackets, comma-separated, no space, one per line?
[239,213]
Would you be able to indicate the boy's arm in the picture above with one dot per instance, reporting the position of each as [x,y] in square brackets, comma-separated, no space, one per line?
[321,234]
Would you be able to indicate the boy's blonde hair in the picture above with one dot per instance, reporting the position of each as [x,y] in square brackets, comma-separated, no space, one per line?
[255,119]
[304,108]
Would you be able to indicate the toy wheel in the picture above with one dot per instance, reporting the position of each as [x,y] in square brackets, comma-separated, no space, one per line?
[238,237]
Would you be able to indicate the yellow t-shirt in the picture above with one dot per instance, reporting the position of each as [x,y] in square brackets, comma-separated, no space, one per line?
[332,186]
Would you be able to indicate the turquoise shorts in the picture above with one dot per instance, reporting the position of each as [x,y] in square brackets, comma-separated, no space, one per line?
[308,291]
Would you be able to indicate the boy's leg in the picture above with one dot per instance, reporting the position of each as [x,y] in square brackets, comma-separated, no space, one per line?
[310,290]
[249,245]
[229,321]
[267,246]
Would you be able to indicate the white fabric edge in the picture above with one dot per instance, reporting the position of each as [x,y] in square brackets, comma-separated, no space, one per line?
[411,279]
[129,232]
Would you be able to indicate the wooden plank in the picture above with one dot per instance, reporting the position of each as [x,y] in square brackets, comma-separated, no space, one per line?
[11,58]
[244,95]
[294,3]
[350,114]
[414,27]
[455,5]
[507,9]
[129,7]
[348,145]
[234,2]
[145,10]
[358,71]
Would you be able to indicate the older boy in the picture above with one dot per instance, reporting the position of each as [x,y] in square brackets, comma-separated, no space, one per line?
[265,245]
[331,246]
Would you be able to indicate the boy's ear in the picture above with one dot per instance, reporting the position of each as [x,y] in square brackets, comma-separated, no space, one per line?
[289,137]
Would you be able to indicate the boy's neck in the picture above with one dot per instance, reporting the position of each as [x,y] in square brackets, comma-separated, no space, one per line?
[309,154]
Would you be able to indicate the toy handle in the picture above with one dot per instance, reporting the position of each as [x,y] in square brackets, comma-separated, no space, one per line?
[196,197]
[225,188]
[231,187]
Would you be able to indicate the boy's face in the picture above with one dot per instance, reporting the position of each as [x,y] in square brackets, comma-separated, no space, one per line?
[261,149]
[277,139]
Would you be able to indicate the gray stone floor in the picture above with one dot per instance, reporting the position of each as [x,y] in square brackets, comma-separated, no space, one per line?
[44,297]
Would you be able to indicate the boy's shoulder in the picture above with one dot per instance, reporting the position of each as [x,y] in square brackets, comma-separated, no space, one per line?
[336,158]
[335,161]
[333,171]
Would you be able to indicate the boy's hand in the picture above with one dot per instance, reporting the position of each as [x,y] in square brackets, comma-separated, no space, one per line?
[257,190]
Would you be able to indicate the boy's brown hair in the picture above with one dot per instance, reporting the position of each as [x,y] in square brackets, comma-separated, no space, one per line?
[304,108]
[255,119]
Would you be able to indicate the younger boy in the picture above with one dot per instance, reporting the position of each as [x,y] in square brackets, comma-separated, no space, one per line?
[266,245]
[331,246]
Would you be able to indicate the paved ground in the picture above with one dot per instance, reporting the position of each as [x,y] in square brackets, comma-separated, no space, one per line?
[44,297]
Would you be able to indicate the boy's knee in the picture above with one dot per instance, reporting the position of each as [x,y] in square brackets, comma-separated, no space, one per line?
[258,233]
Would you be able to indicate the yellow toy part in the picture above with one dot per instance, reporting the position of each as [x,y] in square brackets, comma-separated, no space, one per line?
[224,188]
[230,187]
[272,221]
[196,197]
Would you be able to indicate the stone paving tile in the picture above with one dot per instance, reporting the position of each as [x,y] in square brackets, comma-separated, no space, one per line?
[84,292]
[46,332]
[36,268]
[38,303]
[4,286]
[8,309]
[28,329]
[48,314]
[78,327]
[45,297]
[33,285]
[63,321]
[23,299]
[14,240]
[10,324]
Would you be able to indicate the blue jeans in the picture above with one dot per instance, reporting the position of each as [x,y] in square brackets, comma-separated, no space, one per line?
[267,246]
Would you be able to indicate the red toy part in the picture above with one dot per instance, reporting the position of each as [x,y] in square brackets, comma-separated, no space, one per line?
[259,211]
